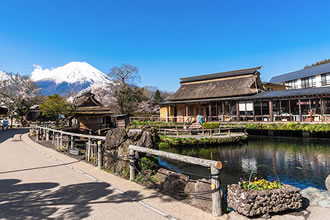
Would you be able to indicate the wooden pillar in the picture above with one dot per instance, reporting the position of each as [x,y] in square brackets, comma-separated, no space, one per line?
[245,111]
[223,110]
[290,109]
[310,104]
[280,109]
[300,116]
[237,112]
[131,165]
[167,113]
[210,112]
[187,111]
[262,114]
[254,113]
[322,109]
[216,196]
[270,110]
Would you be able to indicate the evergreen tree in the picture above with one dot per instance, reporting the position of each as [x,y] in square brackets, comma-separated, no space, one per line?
[157,99]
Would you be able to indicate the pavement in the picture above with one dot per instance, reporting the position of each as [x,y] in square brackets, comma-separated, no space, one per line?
[39,183]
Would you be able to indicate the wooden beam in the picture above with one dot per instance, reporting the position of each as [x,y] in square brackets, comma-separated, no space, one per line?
[300,115]
[270,110]
[210,112]
[186,159]
[237,112]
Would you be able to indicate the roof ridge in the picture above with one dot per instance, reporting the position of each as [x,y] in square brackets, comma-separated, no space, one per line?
[220,74]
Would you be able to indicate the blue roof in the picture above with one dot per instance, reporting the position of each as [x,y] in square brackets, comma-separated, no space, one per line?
[316,70]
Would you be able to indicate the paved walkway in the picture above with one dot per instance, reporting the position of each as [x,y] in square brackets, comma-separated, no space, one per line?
[40,183]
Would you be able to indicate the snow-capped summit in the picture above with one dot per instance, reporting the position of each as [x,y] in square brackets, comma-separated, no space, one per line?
[72,77]
[73,72]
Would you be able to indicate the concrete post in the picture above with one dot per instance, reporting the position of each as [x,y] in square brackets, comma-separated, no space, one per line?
[131,165]
[99,154]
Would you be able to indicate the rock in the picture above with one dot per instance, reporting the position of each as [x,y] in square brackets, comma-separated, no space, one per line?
[202,201]
[146,140]
[171,183]
[115,138]
[327,182]
[316,197]
[135,134]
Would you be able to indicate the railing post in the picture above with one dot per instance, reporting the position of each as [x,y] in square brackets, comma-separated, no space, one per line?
[99,155]
[131,165]
[216,196]
[72,142]
[61,140]
[47,135]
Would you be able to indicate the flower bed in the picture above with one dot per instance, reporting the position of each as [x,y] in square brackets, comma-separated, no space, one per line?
[252,202]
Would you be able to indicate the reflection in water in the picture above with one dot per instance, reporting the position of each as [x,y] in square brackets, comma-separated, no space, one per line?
[299,162]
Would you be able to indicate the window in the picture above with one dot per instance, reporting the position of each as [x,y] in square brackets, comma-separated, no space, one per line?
[308,82]
[325,79]
[293,84]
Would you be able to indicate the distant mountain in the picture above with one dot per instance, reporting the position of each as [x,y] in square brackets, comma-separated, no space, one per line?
[72,77]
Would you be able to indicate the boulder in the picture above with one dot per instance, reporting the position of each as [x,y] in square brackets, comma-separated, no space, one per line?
[327,182]
[204,200]
[115,138]
[134,134]
[146,140]
[316,197]
[171,183]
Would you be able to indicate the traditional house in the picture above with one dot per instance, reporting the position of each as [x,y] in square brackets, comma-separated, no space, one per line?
[239,95]
[90,114]
[212,96]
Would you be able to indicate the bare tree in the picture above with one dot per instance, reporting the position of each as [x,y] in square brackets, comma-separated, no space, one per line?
[18,93]
[125,74]
[127,95]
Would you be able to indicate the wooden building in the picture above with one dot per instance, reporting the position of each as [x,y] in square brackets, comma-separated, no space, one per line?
[239,95]
[90,114]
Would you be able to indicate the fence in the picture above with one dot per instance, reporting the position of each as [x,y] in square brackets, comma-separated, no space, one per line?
[210,132]
[214,165]
[58,138]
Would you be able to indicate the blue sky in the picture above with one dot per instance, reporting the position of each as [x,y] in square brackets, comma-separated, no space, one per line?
[166,40]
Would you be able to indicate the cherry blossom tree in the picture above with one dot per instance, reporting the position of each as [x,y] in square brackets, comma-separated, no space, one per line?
[18,93]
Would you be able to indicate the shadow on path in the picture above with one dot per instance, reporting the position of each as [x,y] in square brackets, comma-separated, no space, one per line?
[42,200]
[37,168]
[9,133]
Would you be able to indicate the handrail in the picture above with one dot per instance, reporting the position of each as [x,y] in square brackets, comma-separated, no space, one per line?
[214,165]
[73,134]
[183,158]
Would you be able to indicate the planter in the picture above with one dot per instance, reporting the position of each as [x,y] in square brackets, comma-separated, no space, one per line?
[253,202]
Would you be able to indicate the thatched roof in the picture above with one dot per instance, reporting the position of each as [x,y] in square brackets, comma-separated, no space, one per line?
[87,104]
[240,83]
[226,74]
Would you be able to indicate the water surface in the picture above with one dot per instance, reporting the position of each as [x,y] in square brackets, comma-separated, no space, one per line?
[298,162]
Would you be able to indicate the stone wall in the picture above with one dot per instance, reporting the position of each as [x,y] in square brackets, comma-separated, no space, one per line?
[253,202]
[116,151]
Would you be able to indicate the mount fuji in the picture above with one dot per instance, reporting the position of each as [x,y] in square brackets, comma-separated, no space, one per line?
[72,77]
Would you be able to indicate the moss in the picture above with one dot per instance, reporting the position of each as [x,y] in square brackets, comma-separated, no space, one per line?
[173,141]
[292,126]
[149,163]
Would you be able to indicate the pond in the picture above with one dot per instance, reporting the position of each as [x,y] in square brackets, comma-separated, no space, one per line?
[298,162]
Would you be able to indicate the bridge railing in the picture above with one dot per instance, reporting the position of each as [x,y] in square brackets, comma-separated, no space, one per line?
[214,165]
